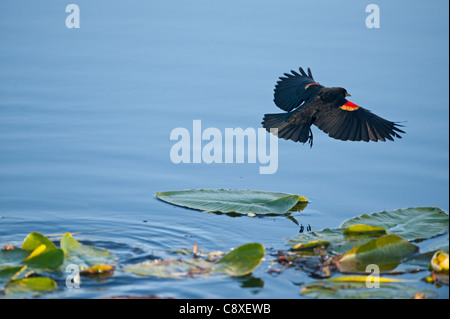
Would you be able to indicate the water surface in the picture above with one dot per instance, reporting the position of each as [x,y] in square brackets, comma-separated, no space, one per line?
[86,115]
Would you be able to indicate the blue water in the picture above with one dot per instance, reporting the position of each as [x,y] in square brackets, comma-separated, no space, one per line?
[86,115]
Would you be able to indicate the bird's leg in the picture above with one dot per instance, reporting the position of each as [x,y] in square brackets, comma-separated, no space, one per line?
[310,138]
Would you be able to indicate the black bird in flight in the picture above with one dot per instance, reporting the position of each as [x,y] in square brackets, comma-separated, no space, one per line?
[307,102]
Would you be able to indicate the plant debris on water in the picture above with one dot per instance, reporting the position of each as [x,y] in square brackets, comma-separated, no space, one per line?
[344,262]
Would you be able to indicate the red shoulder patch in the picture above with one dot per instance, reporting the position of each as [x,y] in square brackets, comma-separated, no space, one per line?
[307,86]
[349,106]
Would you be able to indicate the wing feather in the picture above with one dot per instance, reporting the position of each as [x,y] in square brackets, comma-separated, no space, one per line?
[292,89]
[357,125]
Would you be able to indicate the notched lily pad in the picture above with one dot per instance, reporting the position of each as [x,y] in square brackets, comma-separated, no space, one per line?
[234,201]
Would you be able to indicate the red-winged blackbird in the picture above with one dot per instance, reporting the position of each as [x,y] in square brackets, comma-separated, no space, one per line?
[307,102]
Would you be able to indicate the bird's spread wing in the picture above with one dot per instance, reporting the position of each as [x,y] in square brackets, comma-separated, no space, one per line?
[351,122]
[295,88]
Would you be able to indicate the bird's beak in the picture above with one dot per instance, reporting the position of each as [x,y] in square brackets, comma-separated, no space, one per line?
[347,94]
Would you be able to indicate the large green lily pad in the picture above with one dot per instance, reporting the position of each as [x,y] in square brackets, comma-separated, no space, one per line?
[411,223]
[234,201]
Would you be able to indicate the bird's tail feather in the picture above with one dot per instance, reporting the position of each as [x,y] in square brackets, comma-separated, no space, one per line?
[286,130]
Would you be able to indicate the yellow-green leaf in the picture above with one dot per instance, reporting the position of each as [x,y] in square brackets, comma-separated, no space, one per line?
[30,286]
[364,279]
[98,270]
[242,260]
[386,252]
[363,229]
[34,240]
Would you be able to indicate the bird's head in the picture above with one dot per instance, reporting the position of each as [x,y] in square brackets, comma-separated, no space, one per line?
[343,92]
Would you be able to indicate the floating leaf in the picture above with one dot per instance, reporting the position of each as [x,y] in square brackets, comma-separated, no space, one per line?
[167,269]
[386,252]
[233,201]
[436,243]
[30,286]
[7,273]
[327,289]
[241,261]
[40,258]
[12,257]
[46,259]
[420,260]
[339,243]
[98,271]
[84,256]
[34,240]
[364,229]
[39,250]
[410,224]
[364,279]
[311,245]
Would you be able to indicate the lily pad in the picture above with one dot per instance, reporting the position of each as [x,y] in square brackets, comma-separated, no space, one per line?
[386,252]
[7,273]
[327,289]
[364,229]
[30,286]
[167,269]
[43,260]
[311,245]
[98,271]
[234,201]
[12,257]
[364,279]
[84,256]
[34,240]
[338,242]
[239,262]
[411,223]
